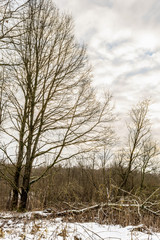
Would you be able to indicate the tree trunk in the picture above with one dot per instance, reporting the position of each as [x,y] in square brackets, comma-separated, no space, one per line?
[14,202]
[23,200]
[14,199]
[25,187]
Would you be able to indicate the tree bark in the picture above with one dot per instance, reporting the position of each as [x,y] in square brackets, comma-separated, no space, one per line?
[25,188]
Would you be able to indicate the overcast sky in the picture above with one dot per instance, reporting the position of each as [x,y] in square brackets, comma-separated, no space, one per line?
[123,40]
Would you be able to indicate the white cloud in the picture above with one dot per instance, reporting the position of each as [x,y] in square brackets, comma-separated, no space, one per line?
[123,46]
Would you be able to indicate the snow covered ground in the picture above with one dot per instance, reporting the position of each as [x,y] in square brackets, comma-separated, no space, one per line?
[23,226]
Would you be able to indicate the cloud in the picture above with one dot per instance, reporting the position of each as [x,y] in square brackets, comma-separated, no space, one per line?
[123,46]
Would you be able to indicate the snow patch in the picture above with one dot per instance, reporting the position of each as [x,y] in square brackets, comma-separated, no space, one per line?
[23,226]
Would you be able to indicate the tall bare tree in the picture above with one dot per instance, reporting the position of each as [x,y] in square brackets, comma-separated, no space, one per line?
[10,21]
[139,133]
[53,112]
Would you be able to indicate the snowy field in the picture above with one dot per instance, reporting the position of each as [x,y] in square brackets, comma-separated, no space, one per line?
[24,226]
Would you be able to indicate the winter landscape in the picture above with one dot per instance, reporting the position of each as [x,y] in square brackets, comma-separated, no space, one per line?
[25,226]
[79,119]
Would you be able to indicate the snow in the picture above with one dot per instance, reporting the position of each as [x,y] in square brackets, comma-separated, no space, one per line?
[15,226]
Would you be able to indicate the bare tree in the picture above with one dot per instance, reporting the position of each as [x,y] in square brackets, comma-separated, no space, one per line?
[139,133]
[146,163]
[53,112]
[105,158]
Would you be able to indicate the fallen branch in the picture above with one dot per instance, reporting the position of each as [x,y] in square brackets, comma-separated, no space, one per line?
[79,211]
[99,206]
